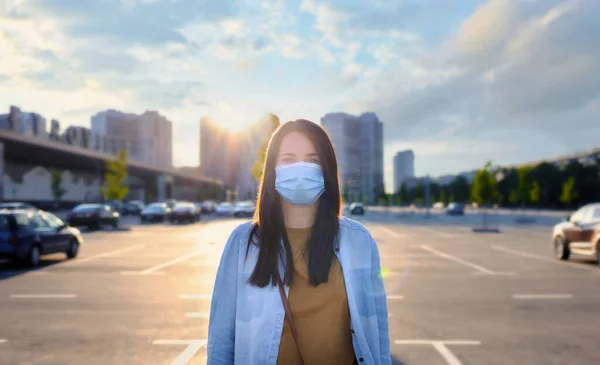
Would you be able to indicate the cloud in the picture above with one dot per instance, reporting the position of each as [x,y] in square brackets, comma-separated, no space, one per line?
[510,63]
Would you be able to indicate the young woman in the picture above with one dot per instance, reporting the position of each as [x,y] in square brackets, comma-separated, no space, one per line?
[299,284]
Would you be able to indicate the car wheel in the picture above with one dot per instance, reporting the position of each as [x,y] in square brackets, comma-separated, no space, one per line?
[33,259]
[115,224]
[73,249]
[561,248]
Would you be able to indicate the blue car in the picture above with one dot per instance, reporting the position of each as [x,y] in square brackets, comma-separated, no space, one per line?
[27,235]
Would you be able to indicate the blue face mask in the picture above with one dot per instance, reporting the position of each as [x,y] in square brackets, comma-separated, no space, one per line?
[300,183]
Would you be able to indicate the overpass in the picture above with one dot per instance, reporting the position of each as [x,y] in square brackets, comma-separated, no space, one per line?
[25,162]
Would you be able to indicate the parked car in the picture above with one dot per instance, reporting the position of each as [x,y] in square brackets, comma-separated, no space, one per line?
[25,235]
[579,234]
[185,212]
[155,212]
[209,207]
[455,209]
[357,209]
[17,206]
[133,207]
[224,208]
[244,209]
[438,205]
[170,203]
[93,216]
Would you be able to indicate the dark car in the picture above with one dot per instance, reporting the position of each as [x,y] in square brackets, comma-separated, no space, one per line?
[17,206]
[185,212]
[134,207]
[93,216]
[357,209]
[455,209]
[579,234]
[26,235]
[155,212]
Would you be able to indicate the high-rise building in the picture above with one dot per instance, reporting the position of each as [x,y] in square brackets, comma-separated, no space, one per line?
[358,144]
[404,168]
[219,153]
[148,137]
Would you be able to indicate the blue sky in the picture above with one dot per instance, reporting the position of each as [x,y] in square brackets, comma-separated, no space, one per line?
[459,82]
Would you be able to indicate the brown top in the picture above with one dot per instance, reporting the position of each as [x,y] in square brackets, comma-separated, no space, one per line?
[320,313]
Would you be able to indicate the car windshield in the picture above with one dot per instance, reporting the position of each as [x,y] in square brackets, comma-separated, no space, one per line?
[183,207]
[86,208]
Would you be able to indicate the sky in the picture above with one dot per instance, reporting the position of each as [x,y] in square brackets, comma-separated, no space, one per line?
[458,82]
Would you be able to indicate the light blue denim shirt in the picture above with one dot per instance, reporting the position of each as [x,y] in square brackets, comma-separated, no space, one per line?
[246,322]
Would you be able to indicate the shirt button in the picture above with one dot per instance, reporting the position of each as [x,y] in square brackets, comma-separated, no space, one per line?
[352,331]
[361,359]
[337,249]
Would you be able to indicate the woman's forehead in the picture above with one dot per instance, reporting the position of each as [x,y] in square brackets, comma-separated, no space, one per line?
[296,143]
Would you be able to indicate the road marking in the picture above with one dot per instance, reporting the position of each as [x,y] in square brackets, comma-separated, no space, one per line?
[390,232]
[394,297]
[542,296]
[3,340]
[195,296]
[197,314]
[543,258]
[42,296]
[171,262]
[106,254]
[441,234]
[441,347]
[458,260]
[186,355]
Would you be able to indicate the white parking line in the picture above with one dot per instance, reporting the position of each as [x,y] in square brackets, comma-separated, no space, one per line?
[106,254]
[192,347]
[390,232]
[3,340]
[441,234]
[458,260]
[394,297]
[542,296]
[543,258]
[42,296]
[441,347]
[197,314]
[195,296]
[171,262]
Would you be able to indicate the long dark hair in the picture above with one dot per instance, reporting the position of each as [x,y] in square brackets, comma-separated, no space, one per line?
[269,227]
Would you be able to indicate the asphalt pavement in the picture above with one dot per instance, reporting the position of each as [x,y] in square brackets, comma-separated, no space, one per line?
[141,295]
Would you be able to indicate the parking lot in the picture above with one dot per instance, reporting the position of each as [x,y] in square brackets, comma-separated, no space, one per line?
[141,295]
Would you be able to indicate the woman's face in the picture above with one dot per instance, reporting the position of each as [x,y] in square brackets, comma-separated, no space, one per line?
[296,147]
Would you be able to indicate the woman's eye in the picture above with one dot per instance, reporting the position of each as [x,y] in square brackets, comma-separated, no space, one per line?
[315,161]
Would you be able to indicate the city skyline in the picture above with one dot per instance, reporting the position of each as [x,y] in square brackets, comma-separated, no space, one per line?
[517,80]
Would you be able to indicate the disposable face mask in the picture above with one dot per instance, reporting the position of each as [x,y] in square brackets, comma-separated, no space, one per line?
[300,183]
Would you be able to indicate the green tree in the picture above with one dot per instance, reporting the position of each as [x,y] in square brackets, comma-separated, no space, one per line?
[56,184]
[115,177]
[442,196]
[403,194]
[484,190]
[513,197]
[345,194]
[535,193]
[568,193]
[524,184]
[257,168]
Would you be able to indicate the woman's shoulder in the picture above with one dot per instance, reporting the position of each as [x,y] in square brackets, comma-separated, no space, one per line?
[350,225]
[242,231]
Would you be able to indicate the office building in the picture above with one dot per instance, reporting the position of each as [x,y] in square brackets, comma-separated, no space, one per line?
[358,144]
[148,137]
[219,153]
[29,124]
[404,168]
[250,142]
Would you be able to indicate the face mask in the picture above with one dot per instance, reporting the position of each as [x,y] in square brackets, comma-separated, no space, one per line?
[300,183]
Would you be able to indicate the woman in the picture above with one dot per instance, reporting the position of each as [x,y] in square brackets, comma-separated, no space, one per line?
[299,284]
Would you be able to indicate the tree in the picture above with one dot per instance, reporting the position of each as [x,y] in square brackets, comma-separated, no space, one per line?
[442,196]
[484,190]
[535,193]
[56,184]
[345,194]
[524,184]
[513,197]
[568,193]
[115,177]
[403,194]
[257,168]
